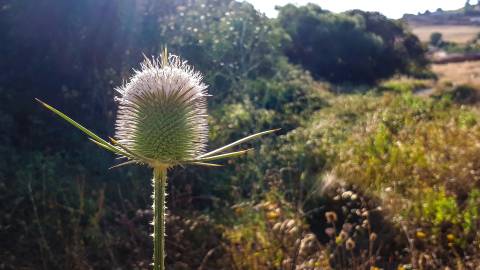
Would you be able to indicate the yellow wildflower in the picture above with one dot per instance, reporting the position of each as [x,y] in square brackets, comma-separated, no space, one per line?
[421,235]
[450,237]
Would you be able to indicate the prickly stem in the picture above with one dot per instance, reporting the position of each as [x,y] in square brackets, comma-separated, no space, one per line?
[159,194]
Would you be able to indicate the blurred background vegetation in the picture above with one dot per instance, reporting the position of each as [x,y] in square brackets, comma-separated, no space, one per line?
[376,165]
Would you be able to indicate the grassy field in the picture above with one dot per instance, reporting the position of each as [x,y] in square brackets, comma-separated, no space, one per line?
[453,33]
[459,73]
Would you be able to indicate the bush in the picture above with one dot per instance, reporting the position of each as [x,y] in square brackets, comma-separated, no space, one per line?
[272,235]
[420,156]
[368,46]
[436,39]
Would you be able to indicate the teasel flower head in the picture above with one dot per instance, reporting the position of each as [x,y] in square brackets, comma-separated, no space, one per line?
[162,114]
[162,118]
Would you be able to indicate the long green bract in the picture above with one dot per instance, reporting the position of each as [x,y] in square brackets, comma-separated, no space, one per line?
[248,138]
[94,138]
[223,156]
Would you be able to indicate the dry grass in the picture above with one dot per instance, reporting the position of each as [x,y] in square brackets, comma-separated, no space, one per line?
[459,73]
[453,33]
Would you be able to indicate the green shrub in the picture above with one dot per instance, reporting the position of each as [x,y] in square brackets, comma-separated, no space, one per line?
[368,45]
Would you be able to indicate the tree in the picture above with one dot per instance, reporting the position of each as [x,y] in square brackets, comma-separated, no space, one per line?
[355,46]
[469,9]
[436,39]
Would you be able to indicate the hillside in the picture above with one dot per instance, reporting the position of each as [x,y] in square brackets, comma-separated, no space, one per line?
[459,26]
[465,16]
[452,33]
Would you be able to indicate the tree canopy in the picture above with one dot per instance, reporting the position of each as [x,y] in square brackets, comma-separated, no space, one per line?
[356,46]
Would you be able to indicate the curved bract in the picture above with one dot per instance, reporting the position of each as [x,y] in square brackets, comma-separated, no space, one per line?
[162,112]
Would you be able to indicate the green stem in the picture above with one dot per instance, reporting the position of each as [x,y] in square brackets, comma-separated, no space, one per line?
[159,194]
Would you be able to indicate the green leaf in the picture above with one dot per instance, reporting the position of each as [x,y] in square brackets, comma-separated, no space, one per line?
[248,138]
[222,156]
[131,152]
[101,142]
[124,163]
[206,164]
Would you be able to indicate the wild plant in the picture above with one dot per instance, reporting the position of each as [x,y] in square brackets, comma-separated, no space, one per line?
[162,123]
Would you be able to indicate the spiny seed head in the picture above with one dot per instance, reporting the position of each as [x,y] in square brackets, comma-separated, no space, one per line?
[162,113]
[331,216]
[350,244]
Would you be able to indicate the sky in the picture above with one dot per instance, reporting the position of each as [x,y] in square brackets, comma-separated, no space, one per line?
[391,8]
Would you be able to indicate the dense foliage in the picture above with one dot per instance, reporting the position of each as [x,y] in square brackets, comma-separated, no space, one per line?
[325,192]
[355,46]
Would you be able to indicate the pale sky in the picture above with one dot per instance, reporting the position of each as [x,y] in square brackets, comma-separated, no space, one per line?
[390,8]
